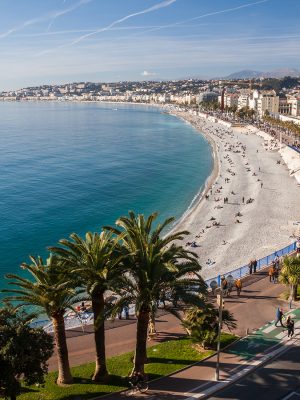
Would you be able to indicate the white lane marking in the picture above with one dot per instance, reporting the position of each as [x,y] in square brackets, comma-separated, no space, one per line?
[281,335]
[269,329]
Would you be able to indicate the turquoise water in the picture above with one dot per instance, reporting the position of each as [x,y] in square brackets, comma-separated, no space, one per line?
[68,167]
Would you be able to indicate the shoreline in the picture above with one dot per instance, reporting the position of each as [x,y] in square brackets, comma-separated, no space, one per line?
[264,226]
[210,180]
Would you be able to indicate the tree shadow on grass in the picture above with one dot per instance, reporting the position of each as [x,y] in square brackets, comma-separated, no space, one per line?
[169,361]
[114,380]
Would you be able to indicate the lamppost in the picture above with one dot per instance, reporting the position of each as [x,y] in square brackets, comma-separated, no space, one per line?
[221,305]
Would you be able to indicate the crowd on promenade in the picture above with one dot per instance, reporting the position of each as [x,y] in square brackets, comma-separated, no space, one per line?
[277,131]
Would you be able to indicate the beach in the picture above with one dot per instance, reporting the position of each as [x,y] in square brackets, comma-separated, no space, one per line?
[250,206]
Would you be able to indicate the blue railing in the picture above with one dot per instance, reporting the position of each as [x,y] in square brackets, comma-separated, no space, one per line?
[261,263]
[294,148]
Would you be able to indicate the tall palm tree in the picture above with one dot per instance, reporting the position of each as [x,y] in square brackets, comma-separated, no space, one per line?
[290,274]
[155,265]
[97,267]
[51,292]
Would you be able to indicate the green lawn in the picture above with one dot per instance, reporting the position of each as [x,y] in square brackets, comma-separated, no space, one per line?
[164,358]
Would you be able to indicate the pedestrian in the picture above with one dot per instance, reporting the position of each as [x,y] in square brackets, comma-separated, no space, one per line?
[254,265]
[120,313]
[276,274]
[261,184]
[271,273]
[250,266]
[162,297]
[276,260]
[238,285]
[126,310]
[243,200]
[298,247]
[279,315]
[290,326]
[224,285]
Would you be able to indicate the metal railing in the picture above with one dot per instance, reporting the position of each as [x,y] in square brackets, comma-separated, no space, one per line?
[261,263]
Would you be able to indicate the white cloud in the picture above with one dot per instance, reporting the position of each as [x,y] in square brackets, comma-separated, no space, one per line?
[147,73]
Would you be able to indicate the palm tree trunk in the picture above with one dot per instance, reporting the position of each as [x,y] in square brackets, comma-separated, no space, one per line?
[64,372]
[140,357]
[100,373]
[295,290]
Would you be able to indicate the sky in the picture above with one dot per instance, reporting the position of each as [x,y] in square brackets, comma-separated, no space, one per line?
[60,41]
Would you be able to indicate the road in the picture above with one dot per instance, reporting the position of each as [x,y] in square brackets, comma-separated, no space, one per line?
[275,380]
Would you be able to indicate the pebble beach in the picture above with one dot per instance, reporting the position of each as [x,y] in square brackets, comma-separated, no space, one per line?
[251,204]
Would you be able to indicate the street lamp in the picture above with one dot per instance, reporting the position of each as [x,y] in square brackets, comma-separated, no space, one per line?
[221,305]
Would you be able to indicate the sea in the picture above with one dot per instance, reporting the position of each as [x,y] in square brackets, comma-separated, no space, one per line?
[75,167]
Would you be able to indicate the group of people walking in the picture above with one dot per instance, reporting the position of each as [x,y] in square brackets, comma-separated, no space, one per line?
[290,325]
[274,270]
[252,266]
[227,286]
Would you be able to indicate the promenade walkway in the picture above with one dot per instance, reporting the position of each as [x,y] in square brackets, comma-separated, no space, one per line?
[254,310]
[198,381]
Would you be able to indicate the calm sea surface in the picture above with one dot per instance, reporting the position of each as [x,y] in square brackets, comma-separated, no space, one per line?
[69,167]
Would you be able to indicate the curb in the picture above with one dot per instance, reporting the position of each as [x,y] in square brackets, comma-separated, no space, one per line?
[283,346]
[172,373]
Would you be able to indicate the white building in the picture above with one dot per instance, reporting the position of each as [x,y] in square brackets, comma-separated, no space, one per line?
[267,100]
[244,98]
[295,106]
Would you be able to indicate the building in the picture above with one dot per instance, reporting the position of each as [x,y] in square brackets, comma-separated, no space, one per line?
[230,100]
[284,107]
[294,103]
[244,98]
[207,97]
[267,101]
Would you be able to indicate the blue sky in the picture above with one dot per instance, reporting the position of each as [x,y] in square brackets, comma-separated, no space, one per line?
[57,41]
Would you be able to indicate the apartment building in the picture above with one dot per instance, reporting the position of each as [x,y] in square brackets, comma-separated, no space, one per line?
[267,100]
[294,103]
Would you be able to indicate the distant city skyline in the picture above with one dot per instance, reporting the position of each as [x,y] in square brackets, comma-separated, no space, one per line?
[57,41]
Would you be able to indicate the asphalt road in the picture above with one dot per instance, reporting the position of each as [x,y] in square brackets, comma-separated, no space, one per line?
[275,380]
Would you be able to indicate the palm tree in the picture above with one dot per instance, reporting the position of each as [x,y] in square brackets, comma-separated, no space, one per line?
[290,274]
[49,292]
[202,323]
[155,265]
[97,267]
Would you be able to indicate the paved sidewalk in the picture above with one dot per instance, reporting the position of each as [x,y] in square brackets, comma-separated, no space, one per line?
[255,311]
[198,381]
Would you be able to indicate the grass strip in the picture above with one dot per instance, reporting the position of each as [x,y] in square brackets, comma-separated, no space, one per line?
[164,359]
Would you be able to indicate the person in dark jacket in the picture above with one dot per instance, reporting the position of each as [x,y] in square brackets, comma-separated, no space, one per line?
[290,326]
[279,315]
[254,266]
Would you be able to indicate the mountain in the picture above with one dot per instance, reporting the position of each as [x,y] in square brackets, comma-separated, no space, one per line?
[245,74]
[277,73]
[282,72]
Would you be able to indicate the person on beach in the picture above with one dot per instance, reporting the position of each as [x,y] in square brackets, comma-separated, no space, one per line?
[290,326]
[261,184]
[279,316]
[238,285]
[243,200]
